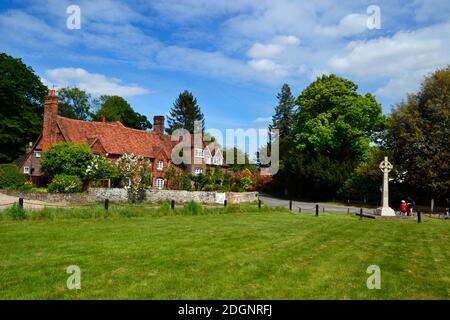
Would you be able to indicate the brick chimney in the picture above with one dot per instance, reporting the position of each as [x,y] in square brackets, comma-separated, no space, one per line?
[158,124]
[49,125]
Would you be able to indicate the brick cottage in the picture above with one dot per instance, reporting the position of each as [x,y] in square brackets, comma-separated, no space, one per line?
[113,139]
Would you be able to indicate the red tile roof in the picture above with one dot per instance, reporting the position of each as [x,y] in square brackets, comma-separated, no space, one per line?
[115,137]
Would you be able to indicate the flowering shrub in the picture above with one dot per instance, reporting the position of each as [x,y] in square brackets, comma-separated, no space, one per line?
[101,168]
[63,183]
[136,173]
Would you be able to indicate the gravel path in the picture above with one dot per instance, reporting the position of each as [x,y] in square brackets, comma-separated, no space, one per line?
[7,201]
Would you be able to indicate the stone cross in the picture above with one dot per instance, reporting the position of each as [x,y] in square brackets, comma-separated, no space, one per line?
[386,167]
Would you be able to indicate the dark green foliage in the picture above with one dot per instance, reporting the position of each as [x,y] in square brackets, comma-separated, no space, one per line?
[116,108]
[10,176]
[419,135]
[185,111]
[74,103]
[178,179]
[21,98]
[63,183]
[67,158]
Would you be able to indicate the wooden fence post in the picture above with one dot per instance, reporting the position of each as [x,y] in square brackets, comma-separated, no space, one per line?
[172,204]
[317,210]
[106,204]
[419,216]
[21,202]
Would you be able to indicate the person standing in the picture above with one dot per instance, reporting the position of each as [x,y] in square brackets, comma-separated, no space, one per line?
[410,206]
[403,208]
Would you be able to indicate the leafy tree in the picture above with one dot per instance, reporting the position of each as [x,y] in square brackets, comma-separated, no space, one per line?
[67,158]
[74,103]
[102,168]
[419,135]
[116,108]
[184,112]
[332,132]
[21,99]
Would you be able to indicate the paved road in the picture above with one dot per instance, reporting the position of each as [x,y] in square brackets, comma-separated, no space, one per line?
[311,206]
[7,201]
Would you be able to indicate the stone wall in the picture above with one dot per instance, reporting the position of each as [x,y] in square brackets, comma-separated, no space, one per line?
[177,195]
[116,194]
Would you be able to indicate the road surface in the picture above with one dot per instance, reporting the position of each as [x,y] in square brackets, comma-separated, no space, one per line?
[311,206]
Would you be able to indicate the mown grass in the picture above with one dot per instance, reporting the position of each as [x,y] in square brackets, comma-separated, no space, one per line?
[237,252]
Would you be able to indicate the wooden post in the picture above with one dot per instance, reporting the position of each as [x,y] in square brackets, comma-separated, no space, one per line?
[172,204]
[323,209]
[299,210]
[290,205]
[317,210]
[21,202]
[360,213]
[106,204]
[419,216]
[225,202]
[259,203]
[348,210]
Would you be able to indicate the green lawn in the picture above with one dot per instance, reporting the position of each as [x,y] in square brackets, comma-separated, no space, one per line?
[235,255]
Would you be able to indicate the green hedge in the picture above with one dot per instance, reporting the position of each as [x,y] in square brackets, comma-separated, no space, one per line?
[10,176]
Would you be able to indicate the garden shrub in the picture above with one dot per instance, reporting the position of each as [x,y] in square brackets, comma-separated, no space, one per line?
[63,183]
[67,158]
[15,212]
[10,176]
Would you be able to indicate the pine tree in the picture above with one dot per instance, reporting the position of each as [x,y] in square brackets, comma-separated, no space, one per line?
[282,120]
[184,113]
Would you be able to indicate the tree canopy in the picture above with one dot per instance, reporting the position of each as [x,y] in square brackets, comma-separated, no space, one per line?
[116,108]
[184,112]
[74,103]
[21,98]
[419,135]
[332,131]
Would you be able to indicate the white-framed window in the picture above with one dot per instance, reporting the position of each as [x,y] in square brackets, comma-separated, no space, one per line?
[217,161]
[198,153]
[159,183]
[26,170]
[208,160]
[160,165]
[198,171]
[38,154]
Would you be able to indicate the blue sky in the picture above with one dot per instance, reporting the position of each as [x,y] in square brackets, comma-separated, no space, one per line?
[233,55]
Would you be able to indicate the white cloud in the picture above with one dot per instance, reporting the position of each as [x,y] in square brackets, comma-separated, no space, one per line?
[351,24]
[402,59]
[273,49]
[263,119]
[93,83]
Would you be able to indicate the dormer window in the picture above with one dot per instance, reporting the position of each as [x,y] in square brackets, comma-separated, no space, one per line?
[160,165]
[38,154]
[26,170]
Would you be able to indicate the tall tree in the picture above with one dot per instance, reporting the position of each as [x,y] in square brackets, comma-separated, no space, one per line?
[116,108]
[419,134]
[334,127]
[184,112]
[21,98]
[282,120]
[74,103]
